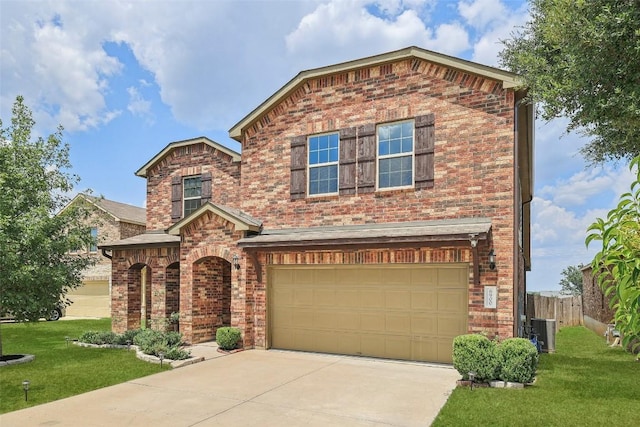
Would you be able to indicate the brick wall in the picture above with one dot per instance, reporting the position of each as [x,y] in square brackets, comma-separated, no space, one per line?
[199,159]
[474,162]
[594,303]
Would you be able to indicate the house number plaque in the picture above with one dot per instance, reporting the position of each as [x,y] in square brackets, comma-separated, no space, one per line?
[490,297]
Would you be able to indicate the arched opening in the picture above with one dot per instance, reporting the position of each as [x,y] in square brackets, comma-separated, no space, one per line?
[138,296]
[172,295]
[211,297]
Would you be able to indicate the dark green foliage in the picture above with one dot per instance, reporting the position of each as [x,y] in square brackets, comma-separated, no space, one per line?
[228,338]
[475,353]
[37,236]
[149,341]
[517,360]
[571,282]
[579,60]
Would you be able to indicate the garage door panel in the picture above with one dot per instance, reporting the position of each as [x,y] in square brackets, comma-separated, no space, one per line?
[348,320]
[452,301]
[424,300]
[372,322]
[398,299]
[372,298]
[347,297]
[395,276]
[303,296]
[408,312]
[397,323]
[324,297]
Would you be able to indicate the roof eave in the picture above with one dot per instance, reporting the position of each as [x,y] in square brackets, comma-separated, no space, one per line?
[508,79]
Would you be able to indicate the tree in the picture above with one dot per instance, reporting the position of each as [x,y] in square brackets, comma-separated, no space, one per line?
[571,282]
[579,59]
[37,235]
[617,264]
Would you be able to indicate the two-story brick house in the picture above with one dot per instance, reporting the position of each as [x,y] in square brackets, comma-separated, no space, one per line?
[380,207]
[108,220]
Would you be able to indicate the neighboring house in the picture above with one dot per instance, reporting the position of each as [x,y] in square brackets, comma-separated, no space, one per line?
[108,220]
[380,207]
[595,306]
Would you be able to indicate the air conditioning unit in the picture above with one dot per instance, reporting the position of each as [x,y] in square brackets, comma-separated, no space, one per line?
[546,331]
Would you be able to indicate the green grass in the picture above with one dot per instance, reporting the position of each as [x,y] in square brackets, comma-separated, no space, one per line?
[59,371]
[584,383]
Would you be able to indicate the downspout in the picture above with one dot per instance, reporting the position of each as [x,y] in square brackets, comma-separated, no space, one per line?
[517,213]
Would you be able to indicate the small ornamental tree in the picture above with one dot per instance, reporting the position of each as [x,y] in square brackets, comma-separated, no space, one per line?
[37,236]
[617,264]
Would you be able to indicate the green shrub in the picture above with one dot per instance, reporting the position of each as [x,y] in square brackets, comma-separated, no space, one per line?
[517,359]
[128,336]
[98,337]
[475,353]
[228,338]
[177,353]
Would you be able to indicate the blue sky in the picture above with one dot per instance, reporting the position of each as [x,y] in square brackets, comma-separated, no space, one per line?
[125,78]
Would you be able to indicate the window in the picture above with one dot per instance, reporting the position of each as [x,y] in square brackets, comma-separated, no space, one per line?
[93,247]
[192,196]
[395,155]
[323,164]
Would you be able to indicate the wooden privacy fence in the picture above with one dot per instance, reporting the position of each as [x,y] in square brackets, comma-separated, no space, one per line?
[567,311]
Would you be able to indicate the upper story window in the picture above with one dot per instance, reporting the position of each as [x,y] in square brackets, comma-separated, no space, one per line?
[395,155]
[93,247]
[192,194]
[323,164]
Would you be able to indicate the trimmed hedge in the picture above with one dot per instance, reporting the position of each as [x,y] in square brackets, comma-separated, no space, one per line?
[513,360]
[518,360]
[228,338]
[475,353]
[149,341]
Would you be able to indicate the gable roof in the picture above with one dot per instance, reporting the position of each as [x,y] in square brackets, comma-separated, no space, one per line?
[142,172]
[241,220]
[119,211]
[508,79]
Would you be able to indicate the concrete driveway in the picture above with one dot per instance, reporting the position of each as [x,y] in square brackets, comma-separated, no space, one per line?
[257,387]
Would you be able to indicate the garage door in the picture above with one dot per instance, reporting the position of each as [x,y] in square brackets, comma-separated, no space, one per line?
[90,300]
[399,311]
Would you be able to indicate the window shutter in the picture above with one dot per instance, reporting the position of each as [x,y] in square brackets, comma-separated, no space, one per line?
[298,188]
[347,174]
[176,198]
[205,179]
[367,158]
[424,149]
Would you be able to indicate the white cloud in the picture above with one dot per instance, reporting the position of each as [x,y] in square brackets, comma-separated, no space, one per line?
[348,27]
[138,105]
[481,13]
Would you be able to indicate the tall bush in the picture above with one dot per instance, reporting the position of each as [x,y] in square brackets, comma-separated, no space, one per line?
[517,360]
[475,353]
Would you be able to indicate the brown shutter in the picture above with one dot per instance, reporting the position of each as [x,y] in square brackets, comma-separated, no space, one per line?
[176,198]
[367,158]
[298,188]
[424,149]
[205,179]
[347,174]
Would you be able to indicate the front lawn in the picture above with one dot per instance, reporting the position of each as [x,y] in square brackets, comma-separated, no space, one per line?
[58,370]
[584,383]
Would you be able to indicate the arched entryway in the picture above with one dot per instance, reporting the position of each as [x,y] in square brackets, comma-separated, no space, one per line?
[211,294]
[138,296]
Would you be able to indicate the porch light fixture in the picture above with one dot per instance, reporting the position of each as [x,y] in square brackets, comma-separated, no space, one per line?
[492,259]
[25,387]
[236,262]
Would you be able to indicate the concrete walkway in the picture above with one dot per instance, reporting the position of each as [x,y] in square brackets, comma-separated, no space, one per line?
[257,387]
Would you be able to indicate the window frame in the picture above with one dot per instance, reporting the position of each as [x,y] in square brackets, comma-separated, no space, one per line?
[335,164]
[185,198]
[411,154]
